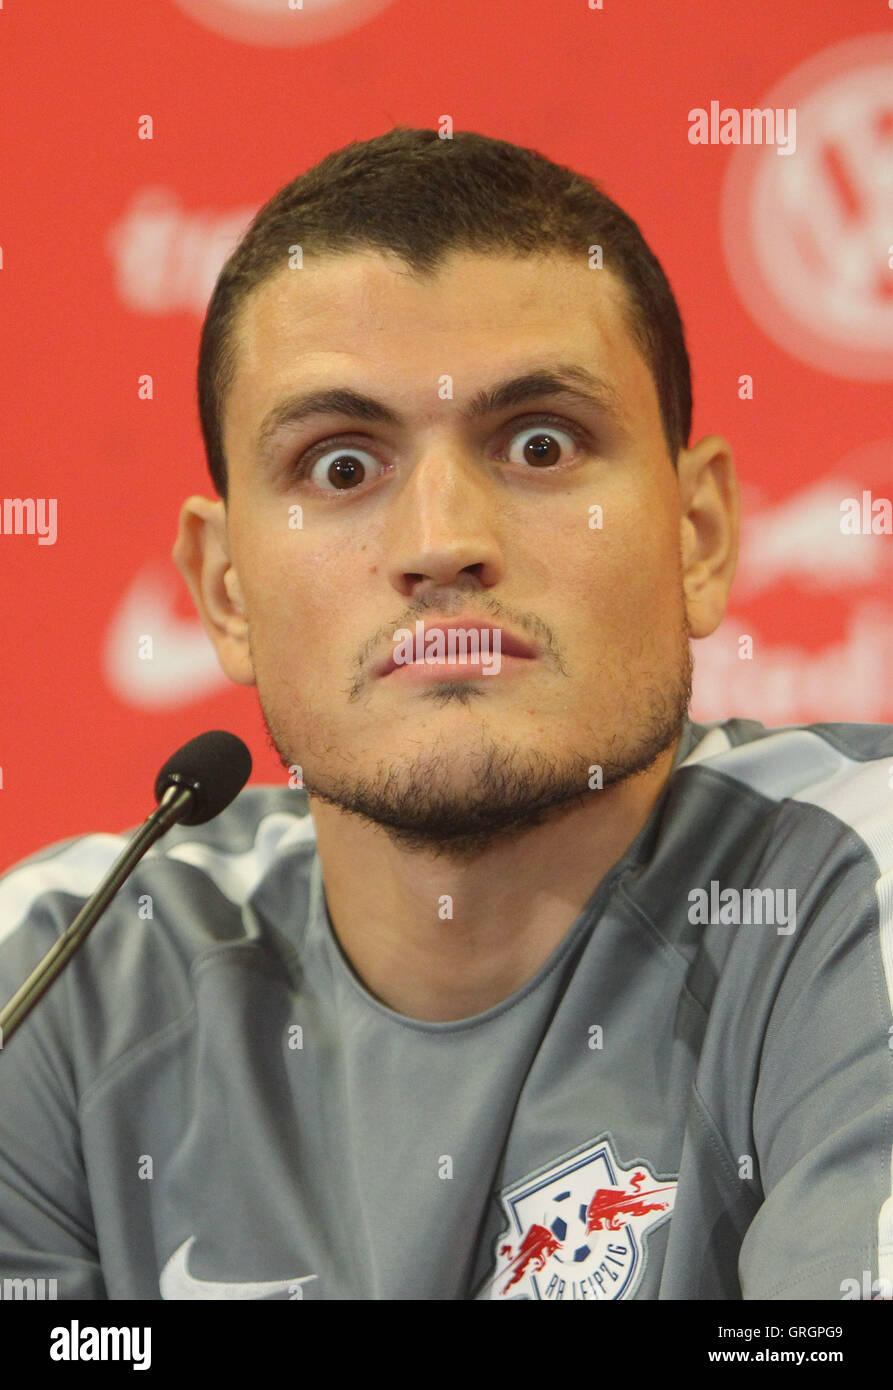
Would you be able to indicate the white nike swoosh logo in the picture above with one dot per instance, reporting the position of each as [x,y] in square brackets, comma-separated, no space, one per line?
[799,538]
[183,665]
[177,1283]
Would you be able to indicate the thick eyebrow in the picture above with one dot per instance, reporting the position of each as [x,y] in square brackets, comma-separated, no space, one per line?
[574,383]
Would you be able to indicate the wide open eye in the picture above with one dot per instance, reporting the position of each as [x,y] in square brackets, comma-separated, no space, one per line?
[542,444]
[341,468]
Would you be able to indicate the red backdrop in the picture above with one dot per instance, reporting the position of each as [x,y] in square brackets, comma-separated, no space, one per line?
[110,244]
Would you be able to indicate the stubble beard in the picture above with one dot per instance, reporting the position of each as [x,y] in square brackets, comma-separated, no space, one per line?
[508,788]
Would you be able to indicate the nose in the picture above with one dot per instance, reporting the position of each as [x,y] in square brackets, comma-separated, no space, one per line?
[443,530]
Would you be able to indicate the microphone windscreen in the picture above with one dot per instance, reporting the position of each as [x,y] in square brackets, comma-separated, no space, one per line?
[214,766]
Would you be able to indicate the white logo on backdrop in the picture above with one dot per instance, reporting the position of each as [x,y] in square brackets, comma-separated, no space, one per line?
[798,550]
[807,239]
[282,23]
[167,258]
[176,665]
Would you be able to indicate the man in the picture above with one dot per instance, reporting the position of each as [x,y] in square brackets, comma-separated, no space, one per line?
[536,989]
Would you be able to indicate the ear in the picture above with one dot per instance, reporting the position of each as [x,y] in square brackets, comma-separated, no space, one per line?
[711,509]
[201,554]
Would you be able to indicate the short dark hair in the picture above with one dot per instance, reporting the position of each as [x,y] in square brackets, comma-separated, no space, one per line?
[421,197]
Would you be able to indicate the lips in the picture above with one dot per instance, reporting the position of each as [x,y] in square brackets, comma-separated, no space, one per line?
[510,643]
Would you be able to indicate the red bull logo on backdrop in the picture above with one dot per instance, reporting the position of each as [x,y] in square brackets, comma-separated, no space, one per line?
[577,1230]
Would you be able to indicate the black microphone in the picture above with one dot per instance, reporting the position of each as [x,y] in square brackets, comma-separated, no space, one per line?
[214,767]
[194,786]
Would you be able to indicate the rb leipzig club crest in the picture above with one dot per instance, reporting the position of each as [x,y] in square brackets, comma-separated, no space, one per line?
[577,1230]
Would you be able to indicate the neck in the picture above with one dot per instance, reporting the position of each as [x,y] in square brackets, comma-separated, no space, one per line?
[439,940]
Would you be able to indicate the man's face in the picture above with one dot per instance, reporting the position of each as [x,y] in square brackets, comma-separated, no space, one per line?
[448,513]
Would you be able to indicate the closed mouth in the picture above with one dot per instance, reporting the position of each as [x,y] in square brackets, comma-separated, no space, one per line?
[490,637]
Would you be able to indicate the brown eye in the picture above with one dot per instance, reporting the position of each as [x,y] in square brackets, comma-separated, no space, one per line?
[542,447]
[345,471]
[542,451]
[341,469]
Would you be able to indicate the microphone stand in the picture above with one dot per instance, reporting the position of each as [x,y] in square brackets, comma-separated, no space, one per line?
[170,808]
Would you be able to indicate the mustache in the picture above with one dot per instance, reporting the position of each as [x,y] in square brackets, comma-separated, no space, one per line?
[491,611]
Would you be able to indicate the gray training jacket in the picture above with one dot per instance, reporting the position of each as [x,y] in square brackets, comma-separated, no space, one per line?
[692,1098]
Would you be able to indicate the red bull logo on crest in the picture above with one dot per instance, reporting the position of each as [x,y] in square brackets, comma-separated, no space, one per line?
[577,1230]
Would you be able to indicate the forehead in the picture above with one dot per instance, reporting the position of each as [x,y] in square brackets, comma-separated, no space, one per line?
[367,318]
